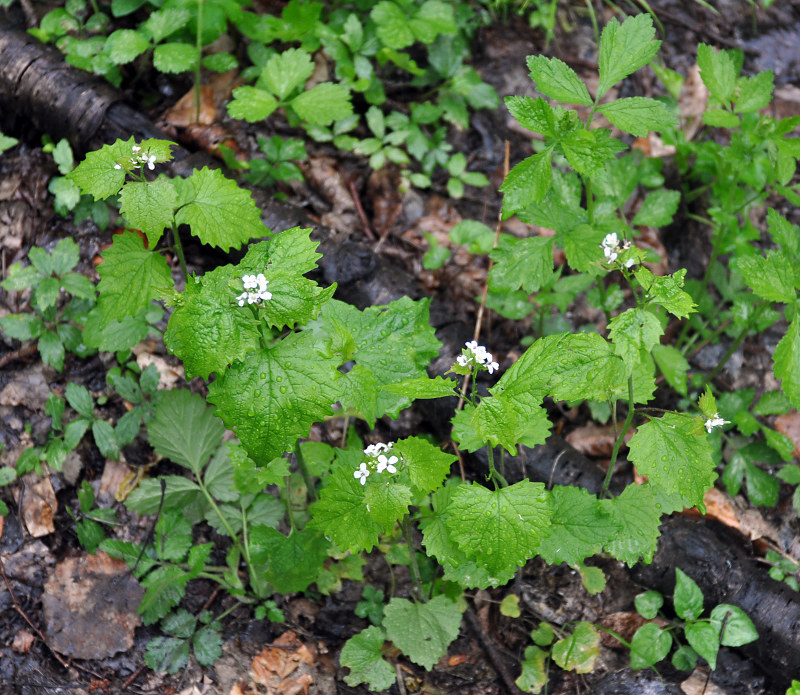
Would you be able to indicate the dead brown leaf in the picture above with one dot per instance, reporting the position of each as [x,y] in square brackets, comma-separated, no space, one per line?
[692,102]
[182,112]
[23,641]
[624,623]
[285,657]
[595,440]
[37,501]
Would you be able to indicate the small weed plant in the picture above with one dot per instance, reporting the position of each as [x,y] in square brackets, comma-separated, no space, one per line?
[280,354]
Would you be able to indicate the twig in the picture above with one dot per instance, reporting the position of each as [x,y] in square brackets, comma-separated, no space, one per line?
[20,353]
[360,210]
[130,679]
[491,650]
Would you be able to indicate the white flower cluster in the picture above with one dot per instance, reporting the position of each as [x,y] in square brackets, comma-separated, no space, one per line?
[381,458]
[715,421]
[612,248]
[478,356]
[257,286]
[138,159]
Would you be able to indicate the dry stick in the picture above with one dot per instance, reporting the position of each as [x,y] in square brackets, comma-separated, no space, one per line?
[492,651]
[25,351]
[360,210]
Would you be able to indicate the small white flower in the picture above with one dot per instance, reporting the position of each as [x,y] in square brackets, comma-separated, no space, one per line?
[463,360]
[136,149]
[715,421]
[610,240]
[630,262]
[118,166]
[472,345]
[241,299]
[375,449]
[151,161]
[362,472]
[387,464]
[249,282]
[492,366]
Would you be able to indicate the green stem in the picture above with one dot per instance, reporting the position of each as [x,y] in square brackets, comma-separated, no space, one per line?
[703,286]
[288,482]
[493,474]
[224,521]
[179,251]
[199,45]
[301,464]
[412,553]
[587,184]
[735,345]
[620,439]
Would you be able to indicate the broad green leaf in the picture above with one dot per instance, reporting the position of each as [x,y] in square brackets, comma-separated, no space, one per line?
[422,631]
[658,208]
[720,118]
[149,206]
[97,176]
[164,589]
[173,536]
[557,80]
[638,115]
[648,604]
[528,182]
[80,400]
[423,387]
[650,644]
[500,528]
[290,563]
[624,49]
[507,421]
[162,23]
[772,403]
[324,104]
[251,104]
[753,93]
[174,58]
[534,673]
[393,27]
[78,285]
[105,439]
[51,350]
[718,72]
[46,294]
[6,142]
[787,362]
[526,263]
[124,45]
[387,502]
[433,18]
[580,527]
[673,366]
[589,151]
[634,331]
[21,278]
[762,488]
[703,637]
[167,654]
[207,644]
[362,654]
[734,626]
[180,492]
[772,278]
[666,291]
[228,331]
[534,114]
[65,256]
[184,429]
[427,464]
[477,237]
[579,651]
[341,513]
[637,512]
[275,394]
[286,72]
[114,335]
[674,453]
[130,277]
[783,232]
[688,598]
[217,210]
[388,345]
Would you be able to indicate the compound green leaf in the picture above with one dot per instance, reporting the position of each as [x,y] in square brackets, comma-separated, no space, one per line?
[580,650]
[51,350]
[251,104]
[169,654]
[341,513]
[65,256]
[718,72]
[286,72]
[174,57]
[535,114]
[658,208]
[666,291]
[555,79]
[324,104]
[501,528]
[21,278]
[422,631]
[433,18]
[754,93]
[46,293]
[388,345]
[164,589]
[580,527]
[589,151]
[638,115]
[290,563]
[639,516]
[207,328]
[179,492]
[149,206]
[184,429]
[130,277]
[787,362]
[631,332]
[674,453]
[124,45]
[96,174]
[393,27]
[772,278]
[528,182]
[624,49]
[275,394]
[217,210]
[362,654]
[427,464]
[526,263]
[207,645]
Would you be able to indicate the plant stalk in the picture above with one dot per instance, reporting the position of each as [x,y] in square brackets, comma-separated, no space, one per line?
[620,439]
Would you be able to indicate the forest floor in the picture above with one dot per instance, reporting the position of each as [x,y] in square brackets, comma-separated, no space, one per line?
[40,553]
